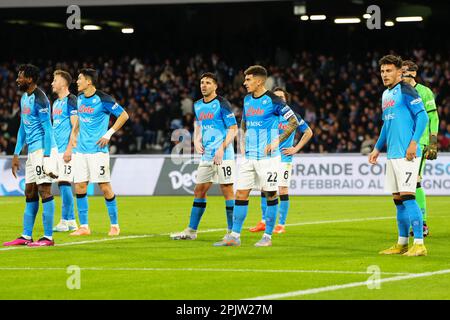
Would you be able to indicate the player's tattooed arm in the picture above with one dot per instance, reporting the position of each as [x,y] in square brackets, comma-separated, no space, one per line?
[307,135]
[291,127]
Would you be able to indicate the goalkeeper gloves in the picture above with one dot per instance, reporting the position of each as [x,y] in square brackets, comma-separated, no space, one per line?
[431,149]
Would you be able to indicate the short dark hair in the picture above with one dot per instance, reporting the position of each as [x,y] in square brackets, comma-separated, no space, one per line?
[391,59]
[90,74]
[63,74]
[256,70]
[30,71]
[411,65]
[287,96]
[209,75]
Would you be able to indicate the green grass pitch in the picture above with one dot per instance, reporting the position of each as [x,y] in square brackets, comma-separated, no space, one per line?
[330,243]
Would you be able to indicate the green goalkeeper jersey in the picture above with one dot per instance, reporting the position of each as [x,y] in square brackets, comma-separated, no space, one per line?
[430,106]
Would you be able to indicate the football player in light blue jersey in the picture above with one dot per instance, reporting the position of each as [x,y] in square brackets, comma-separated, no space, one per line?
[91,160]
[287,149]
[214,131]
[259,168]
[404,121]
[65,116]
[36,132]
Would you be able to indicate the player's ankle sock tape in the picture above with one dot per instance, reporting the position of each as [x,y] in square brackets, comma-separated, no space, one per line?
[398,202]
[81,195]
[64,183]
[263,194]
[272,202]
[284,197]
[32,199]
[418,185]
[407,197]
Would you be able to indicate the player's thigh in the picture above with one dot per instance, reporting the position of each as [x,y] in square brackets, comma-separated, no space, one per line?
[284,174]
[205,172]
[81,168]
[390,182]
[99,167]
[65,169]
[247,178]
[30,171]
[226,172]
[37,162]
[406,173]
[268,173]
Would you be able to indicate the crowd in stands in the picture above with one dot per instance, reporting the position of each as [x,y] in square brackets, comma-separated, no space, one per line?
[339,97]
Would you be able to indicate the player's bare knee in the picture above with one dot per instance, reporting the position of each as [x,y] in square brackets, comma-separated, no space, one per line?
[31,191]
[107,190]
[201,190]
[80,188]
[242,194]
[227,191]
[45,190]
[271,195]
[283,191]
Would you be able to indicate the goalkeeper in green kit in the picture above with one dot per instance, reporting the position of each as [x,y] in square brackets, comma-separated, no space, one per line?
[428,141]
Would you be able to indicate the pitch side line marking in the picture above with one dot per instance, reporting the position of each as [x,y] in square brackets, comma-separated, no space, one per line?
[348,285]
[197,269]
[201,231]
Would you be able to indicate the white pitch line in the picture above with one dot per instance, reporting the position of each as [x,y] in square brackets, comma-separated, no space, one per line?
[201,231]
[198,269]
[348,285]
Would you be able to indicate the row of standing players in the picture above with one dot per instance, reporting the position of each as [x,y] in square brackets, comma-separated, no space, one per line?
[72,148]
[406,125]
[262,167]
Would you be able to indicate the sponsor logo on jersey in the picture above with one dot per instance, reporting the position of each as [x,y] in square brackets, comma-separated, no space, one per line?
[254,112]
[115,106]
[85,109]
[231,115]
[254,123]
[389,116]
[206,116]
[388,104]
[43,110]
[57,112]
